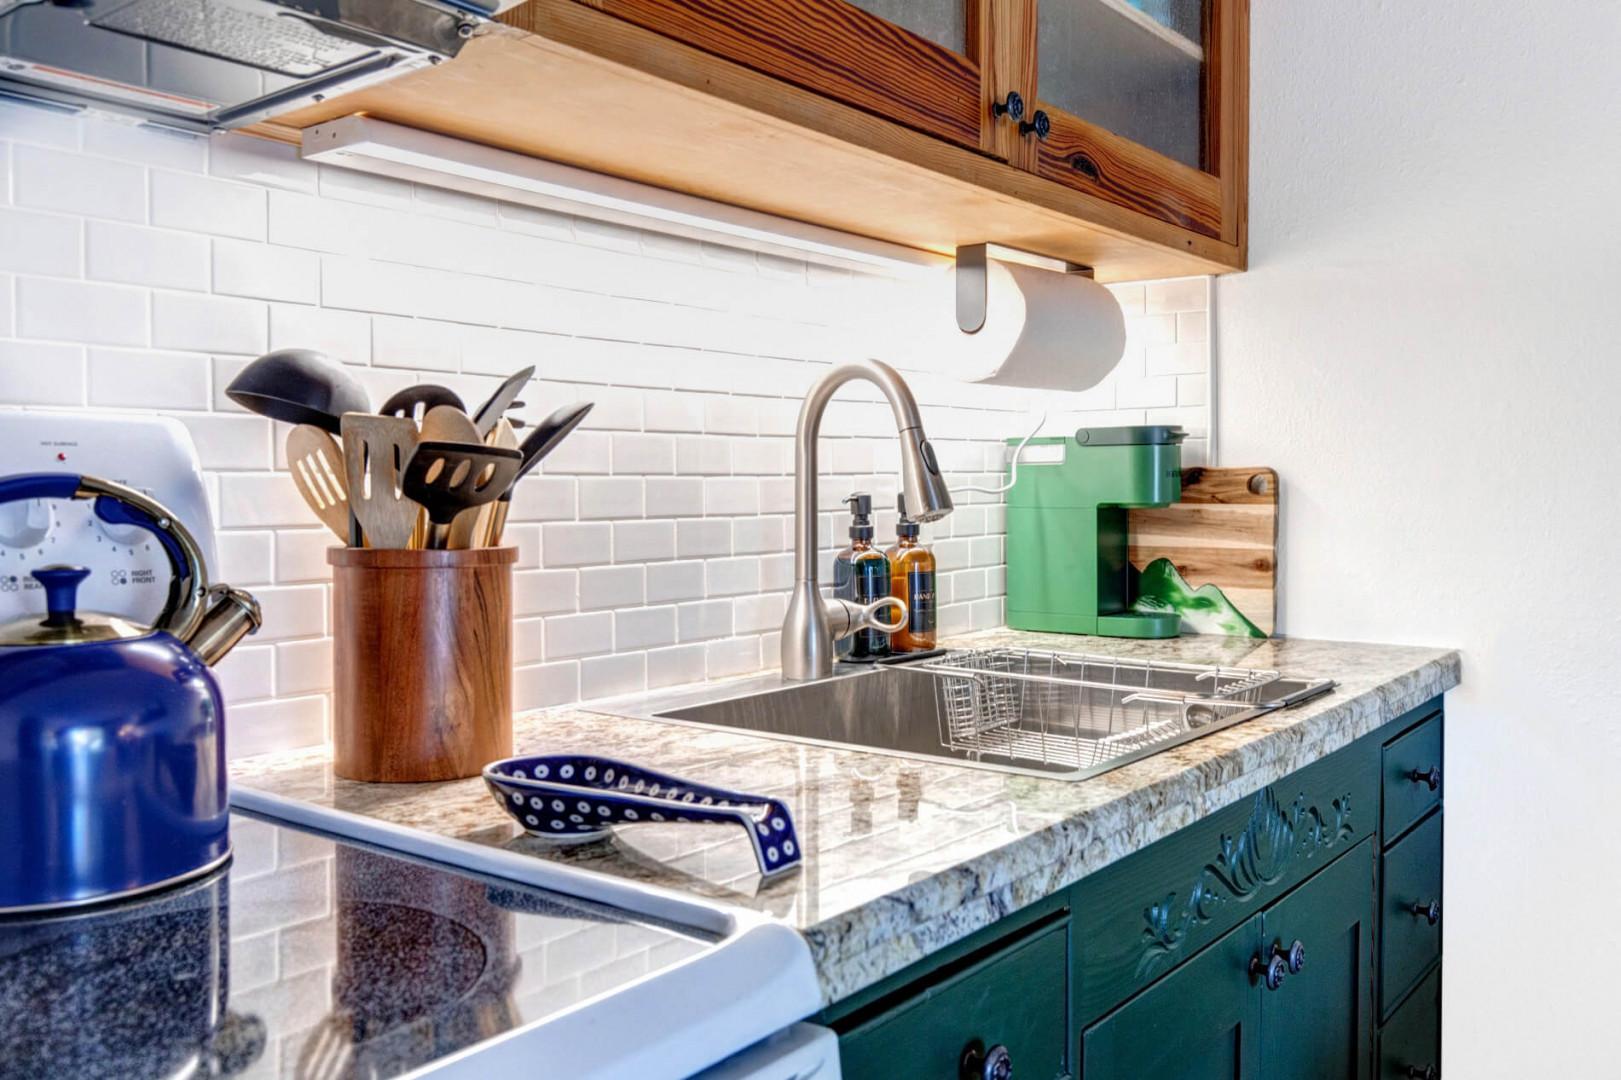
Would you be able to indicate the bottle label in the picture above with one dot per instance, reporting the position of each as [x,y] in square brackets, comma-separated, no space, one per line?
[920,601]
[871,581]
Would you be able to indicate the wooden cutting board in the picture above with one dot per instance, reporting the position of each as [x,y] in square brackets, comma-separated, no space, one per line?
[1224,533]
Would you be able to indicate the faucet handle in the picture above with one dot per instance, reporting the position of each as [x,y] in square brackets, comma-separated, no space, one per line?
[846,617]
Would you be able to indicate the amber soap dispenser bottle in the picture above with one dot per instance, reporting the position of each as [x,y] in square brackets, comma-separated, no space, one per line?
[911,578]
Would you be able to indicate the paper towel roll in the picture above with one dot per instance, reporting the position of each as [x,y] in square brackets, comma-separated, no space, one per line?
[1044,329]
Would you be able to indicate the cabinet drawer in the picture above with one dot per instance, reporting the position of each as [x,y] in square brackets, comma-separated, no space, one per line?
[1015,997]
[1410,763]
[1409,884]
[1410,1044]
[1141,917]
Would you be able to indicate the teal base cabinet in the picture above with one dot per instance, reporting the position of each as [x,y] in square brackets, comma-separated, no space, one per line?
[1294,935]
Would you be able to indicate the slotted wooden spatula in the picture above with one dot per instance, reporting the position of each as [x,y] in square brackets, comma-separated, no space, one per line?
[318,473]
[375,450]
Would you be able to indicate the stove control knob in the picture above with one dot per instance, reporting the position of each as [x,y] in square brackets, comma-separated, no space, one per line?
[25,524]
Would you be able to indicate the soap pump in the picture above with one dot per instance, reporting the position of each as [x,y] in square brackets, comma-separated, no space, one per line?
[861,575]
[911,578]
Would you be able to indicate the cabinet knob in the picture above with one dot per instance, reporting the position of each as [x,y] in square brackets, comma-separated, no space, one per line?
[1040,123]
[1426,1072]
[1430,776]
[1430,912]
[1011,106]
[1294,956]
[979,1063]
[1269,971]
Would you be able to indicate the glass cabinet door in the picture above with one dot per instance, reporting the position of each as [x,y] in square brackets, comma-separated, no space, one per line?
[1135,67]
[1138,99]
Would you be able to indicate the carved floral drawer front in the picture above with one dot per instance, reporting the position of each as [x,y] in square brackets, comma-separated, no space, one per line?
[1149,912]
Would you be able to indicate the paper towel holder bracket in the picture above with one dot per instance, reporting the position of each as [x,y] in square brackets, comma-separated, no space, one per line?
[973,284]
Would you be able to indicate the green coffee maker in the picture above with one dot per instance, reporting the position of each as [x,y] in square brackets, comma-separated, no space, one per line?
[1067,569]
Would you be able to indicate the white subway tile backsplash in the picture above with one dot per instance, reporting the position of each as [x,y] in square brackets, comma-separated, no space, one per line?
[571,544]
[265,272]
[218,324]
[137,255]
[674,666]
[579,635]
[80,311]
[342,335]
[610,676]
[694,539]
[34,243]
[675,581]
[643,541]
[74,183]
[734,657]
[545,592]
[34,373]
[203,204]
[653,544]
[644,628]
[705,619]
[611,497]
[540,685]
[611,586]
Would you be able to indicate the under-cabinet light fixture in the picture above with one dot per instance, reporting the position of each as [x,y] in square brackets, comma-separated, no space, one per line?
[386,149]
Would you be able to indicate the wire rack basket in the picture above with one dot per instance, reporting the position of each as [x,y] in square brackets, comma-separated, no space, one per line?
[1078,711]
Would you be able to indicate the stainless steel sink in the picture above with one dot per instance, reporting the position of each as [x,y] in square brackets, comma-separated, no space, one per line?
[1062,715]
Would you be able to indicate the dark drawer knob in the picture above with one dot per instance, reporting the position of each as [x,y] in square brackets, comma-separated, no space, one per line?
[1425,1072]
[1040,123]
[1011,106]
[1430,776]
[1430,912]
[1269,971]
[1294,956]
[979,1063]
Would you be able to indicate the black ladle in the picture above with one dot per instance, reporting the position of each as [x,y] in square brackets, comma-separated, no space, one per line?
[298,386]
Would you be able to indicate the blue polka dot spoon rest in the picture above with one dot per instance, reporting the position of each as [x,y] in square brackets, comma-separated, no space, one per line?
[575,797]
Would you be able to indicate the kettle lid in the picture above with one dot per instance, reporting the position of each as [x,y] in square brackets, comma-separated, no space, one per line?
[63,624]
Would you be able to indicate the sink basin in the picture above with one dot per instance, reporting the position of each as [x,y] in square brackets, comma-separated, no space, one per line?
[1064,715]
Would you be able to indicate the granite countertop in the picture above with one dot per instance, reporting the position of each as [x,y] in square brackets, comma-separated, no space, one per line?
[905,856]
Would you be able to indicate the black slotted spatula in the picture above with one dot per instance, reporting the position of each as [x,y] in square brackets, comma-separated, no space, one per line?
[446,478]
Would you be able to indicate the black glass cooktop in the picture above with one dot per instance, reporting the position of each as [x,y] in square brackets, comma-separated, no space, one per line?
[307,956]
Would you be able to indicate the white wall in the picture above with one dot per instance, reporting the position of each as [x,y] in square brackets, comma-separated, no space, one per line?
[1426,346]
[140,271]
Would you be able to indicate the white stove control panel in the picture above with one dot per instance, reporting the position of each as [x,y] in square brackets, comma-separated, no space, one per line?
[129,572]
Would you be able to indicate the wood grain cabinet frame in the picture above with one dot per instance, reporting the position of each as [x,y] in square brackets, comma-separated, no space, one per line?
[841,51]
[822,111]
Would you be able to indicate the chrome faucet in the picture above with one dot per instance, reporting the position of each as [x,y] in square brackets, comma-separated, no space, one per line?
[807,640]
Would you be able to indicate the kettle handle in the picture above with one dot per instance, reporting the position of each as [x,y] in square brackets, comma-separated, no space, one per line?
[119,505]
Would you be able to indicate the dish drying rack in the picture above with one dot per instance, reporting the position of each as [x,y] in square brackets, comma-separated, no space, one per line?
[1078,711]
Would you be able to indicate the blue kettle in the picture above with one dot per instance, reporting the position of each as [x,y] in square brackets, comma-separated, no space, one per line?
[112,747]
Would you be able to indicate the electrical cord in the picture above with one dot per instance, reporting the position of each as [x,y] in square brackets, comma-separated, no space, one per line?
[1013,469]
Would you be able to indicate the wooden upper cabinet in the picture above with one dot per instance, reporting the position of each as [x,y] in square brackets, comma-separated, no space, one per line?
[1136,102]
[884,118]
[914,62]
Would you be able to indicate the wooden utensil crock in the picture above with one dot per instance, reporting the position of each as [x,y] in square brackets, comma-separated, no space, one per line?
[422,662]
